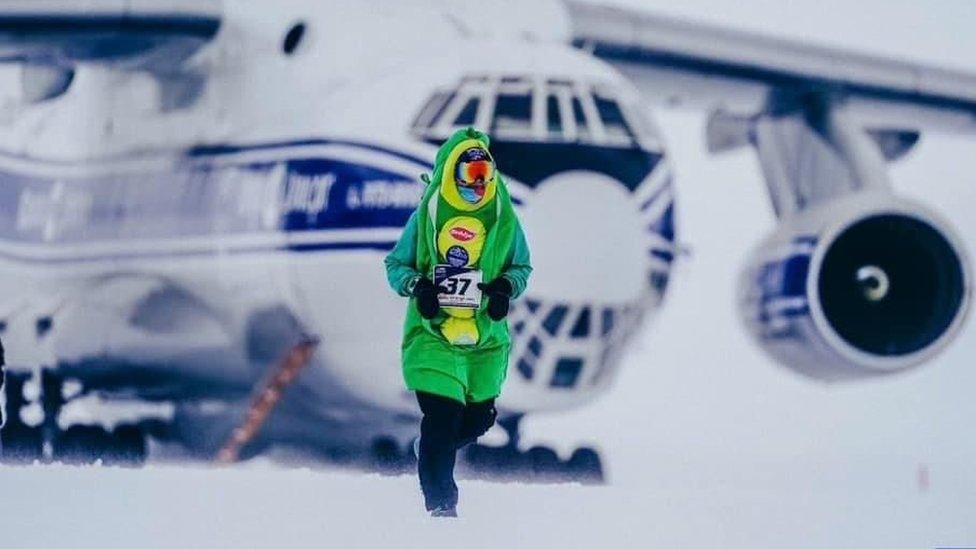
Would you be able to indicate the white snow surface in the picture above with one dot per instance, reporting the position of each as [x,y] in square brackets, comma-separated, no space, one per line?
[265,506]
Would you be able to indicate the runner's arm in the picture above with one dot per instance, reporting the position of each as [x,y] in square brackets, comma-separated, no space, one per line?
[519,263]
[400,261]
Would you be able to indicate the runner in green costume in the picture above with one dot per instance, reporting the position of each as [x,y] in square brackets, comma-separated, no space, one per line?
[430,363]
[456,358]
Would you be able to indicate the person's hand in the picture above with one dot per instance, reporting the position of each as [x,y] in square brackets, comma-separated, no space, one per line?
[499,292]
[426,294]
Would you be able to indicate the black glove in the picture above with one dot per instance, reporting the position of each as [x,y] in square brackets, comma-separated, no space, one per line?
[426,294]
[499,292]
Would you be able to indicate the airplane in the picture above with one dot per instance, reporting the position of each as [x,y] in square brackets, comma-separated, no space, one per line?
[193,190]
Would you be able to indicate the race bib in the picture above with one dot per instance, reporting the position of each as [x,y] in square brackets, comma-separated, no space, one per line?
[458,286]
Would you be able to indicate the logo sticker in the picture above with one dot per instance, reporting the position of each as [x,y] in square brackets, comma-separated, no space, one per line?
[457,256]
[462,234]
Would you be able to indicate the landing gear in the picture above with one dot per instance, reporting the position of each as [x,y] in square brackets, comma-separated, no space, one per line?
[123,446]
[33,433]
[585,463]
[22,443]
[388,458]
[508,462]
[539,463]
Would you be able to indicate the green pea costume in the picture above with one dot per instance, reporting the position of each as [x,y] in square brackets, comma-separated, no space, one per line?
[461,354]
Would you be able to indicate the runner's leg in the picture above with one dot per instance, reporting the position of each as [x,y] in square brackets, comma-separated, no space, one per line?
[478,417]
[439,430]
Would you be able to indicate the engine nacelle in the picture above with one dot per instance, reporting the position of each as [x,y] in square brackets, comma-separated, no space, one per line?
[864,285]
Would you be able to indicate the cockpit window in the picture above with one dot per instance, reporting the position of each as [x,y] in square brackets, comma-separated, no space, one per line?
[513,115]
[554,120]
[614,123]
[433,110]
[468,114]
[583,132]
[536,109]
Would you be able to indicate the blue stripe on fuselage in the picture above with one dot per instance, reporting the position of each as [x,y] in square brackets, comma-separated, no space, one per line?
[378,246]
[206,193]
[330,187]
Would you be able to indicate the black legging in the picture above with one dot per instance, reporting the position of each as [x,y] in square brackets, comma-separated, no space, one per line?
[447,426]
[3,416]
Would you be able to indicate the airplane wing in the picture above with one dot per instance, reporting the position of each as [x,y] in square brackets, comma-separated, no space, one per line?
[681,62]
[133,34]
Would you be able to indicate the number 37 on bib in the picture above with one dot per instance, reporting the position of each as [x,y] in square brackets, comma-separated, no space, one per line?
[458,286]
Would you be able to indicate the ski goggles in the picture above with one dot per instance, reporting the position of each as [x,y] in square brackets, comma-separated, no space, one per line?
[475,168]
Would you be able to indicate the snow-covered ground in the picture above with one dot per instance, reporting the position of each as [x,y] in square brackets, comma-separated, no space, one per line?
[264,506]
[697,503]
[708,444]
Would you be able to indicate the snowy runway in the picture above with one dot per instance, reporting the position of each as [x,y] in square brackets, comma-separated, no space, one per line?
[260,505]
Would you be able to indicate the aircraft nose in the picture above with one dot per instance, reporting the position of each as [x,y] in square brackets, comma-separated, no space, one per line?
[601,259]
[587,240]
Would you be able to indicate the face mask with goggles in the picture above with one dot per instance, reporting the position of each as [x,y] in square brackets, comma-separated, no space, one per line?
[474,171]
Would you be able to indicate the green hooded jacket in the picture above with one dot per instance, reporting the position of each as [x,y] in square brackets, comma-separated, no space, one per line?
[430,363]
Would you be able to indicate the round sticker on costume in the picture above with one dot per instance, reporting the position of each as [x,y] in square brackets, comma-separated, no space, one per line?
[467,234]
[457,256]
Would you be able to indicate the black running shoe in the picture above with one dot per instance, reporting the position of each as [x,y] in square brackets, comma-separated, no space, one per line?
[450,512]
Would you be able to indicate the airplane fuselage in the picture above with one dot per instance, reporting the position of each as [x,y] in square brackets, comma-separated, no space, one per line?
[166,249]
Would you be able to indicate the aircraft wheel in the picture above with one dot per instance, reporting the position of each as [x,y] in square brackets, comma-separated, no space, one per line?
[19,443]
[81,445]
[543,462]
[387,456]
[480,458]
[127,447]
[586,466]
[491,461]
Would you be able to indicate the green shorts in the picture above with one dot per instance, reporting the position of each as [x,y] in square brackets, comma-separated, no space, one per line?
[466,375]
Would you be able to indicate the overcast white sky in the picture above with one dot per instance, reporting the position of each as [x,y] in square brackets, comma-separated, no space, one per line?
[937,31]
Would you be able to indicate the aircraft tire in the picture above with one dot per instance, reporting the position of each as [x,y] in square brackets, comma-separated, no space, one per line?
[586,466]
[127,447]
[543,463]
[388,457]
[80,445]
[21,443]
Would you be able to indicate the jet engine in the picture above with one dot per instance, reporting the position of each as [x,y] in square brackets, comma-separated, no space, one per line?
[864,285]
